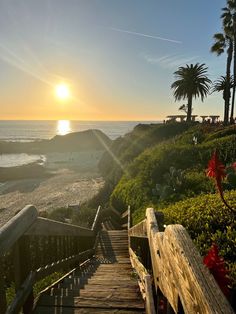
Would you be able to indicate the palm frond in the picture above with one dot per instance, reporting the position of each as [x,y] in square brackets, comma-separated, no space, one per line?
[191,80]
[221,83]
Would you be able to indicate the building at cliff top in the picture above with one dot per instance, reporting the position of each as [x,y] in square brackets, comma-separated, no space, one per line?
[182,117]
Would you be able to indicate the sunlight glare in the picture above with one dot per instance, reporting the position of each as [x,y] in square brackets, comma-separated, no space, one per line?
[62,91]
[63,127]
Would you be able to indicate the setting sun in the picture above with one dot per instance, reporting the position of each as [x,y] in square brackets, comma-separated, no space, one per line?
[62,91]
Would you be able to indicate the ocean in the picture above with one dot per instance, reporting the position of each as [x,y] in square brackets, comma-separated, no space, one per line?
[34,130]
[26,131]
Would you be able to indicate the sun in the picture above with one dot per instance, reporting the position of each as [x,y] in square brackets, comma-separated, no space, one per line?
[62,91]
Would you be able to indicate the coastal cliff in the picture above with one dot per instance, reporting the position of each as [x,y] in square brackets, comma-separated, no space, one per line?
[88,140]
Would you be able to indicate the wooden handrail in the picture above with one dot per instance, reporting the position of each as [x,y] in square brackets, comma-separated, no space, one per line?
[177,267]
[16,227]
[21,295]
[96,219]
[49,245]
[139,230]
[179,272]
[144,282]
[115,212]
[55,266]
[127,218]
[47,227]
[124,214]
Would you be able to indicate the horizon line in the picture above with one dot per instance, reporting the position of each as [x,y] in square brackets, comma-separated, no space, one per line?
[143,120]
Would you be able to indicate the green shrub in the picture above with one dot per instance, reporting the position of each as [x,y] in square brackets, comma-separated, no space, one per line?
[220,132]
[148,169]
[125,149]
[82,217]
[60,214]
[131,192]
[207,220]
[38,287]
[196,182]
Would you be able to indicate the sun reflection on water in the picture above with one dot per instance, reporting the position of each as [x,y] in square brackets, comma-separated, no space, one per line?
[63,127]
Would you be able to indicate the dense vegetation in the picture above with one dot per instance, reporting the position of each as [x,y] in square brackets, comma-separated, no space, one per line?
[153,165]
[208,221]
[161,166]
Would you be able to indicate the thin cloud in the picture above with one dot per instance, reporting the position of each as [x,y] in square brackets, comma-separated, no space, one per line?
[145,35]
[170,61]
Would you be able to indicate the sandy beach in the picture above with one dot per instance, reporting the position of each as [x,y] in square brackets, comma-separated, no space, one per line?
[74,178]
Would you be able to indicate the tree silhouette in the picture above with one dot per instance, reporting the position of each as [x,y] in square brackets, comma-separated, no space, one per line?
[192,82]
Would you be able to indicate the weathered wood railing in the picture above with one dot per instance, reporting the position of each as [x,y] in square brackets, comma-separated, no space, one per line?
[32,248]
[181,280]
[144,278]
[113,216]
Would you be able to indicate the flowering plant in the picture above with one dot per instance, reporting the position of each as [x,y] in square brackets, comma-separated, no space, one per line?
[212,260]
[217,171]
[216,265]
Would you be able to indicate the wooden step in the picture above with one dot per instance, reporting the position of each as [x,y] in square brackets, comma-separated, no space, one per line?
[94,289]
[105,294]
[114,287]
[106,285]
[114,266]
[108,276]
[92,302]
[84,310]
[111,272]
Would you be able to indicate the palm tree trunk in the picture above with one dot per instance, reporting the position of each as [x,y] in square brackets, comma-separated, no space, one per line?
[189,113]
[227,87]
[234,86]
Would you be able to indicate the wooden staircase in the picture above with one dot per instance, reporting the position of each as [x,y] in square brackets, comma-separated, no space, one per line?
[103,280]
[105,284]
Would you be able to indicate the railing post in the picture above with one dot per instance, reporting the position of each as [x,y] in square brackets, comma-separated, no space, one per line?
[129,218]
[22,269]
[96,219]
[128,226]
[150,307]
[3,301]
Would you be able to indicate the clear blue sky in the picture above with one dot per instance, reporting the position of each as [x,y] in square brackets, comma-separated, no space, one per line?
[118,56]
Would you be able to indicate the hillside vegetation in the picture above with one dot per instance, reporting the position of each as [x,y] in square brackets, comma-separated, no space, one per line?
[161,166]
[146,158]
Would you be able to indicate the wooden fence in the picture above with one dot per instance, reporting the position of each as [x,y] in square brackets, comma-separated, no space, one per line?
[32,248]
[177,269]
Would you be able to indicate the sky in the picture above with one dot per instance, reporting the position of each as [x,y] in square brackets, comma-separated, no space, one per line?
[117,57]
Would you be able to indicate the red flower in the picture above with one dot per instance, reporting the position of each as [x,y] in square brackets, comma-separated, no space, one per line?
[234,165]
[216,265]
[215,168]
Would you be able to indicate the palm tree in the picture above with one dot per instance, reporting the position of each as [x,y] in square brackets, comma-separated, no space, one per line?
[222,42]
[192,82]
[221,85]
[229,23]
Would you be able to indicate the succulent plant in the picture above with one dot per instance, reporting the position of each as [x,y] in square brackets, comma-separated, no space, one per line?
[173,180]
